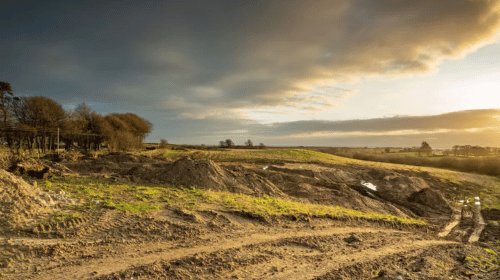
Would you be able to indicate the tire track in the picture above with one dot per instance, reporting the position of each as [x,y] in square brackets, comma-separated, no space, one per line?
[458,224]
[312,270]
[455,221]
[167,252]
[479,225]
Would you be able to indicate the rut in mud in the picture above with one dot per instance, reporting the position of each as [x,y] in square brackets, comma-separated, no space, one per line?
[149,254]
[268,253]
[466,224]
[250,250]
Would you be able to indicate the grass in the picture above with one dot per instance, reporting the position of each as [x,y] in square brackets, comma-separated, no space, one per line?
[485,261]
[487,187]
[271,206]
[141,199]
[487,165]
[289,155]
[256,155]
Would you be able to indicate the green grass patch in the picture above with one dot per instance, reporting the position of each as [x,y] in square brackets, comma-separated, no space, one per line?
[270,206]
[140,199]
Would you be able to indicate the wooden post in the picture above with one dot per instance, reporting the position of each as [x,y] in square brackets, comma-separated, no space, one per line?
[58,140]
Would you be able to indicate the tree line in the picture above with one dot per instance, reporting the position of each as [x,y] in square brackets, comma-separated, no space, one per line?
[40,123]
[229,143]
[456,150]
[469,150]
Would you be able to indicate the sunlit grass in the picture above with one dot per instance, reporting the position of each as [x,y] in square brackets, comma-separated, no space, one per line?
[290,155]
[138,199]
[254,155]
[271,206]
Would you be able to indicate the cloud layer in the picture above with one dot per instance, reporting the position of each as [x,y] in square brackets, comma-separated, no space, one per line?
[463,120]
[199,58]
[476,127]
[214,61]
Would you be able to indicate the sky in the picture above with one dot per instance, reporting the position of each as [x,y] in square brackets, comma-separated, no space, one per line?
[294,72]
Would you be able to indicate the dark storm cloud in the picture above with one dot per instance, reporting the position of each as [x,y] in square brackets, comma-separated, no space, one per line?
[199,58]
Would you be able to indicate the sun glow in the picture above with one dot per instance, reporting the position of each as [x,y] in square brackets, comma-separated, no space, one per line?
[477,92]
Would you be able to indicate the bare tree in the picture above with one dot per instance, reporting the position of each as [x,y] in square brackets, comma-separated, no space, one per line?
[249,143]
[6,94]
[229,143]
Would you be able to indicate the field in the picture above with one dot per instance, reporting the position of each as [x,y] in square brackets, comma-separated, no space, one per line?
[245,214]
[487,165]
[488,189]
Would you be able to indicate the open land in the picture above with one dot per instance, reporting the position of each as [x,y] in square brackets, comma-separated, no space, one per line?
[244,214]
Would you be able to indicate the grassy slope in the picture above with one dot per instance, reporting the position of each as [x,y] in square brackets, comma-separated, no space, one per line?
[489,191]
[486,165]
[142,199]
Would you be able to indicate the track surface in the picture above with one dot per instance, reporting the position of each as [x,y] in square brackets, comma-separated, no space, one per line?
[299,254]
[466,224]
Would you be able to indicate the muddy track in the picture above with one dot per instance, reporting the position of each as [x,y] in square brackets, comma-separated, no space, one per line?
[466,224]
[292,257]
[310,271]
[105,222]
[146,254]
[455,221]
[479,225]
[420,263]
[305,253]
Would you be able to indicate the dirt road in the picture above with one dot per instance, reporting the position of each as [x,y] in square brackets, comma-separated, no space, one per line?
[297,254]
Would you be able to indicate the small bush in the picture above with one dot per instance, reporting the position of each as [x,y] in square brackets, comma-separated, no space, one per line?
[163,144]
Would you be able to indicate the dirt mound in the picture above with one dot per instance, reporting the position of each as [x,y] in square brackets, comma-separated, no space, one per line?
[301,172]
[203,173]
[343,186]
[491,214]
[398,187]
[20,166]
[113,163]
[337,185]
[36,168]
[124,157]
[430,200]
[20,202]
[492,230]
